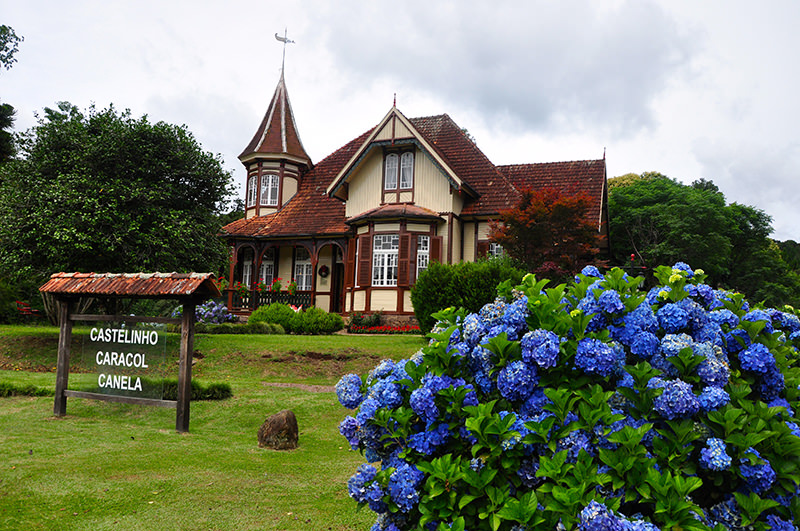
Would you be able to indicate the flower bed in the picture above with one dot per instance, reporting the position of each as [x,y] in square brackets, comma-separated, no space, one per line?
[384,329]
[590,405]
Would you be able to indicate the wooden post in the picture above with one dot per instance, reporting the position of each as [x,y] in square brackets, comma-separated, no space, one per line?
[62,368]
[185,366]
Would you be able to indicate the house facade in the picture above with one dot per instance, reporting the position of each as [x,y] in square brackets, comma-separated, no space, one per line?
[354,231]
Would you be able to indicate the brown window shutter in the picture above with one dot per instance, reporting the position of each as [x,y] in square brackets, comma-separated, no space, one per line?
[364,260]
[404,260]
[483,249]
[350,264]
[436,249]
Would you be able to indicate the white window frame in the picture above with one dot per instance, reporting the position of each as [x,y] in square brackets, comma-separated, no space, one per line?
[385,253]
[247,273]
[423,253]
[251,190]
[391,169]
[495,250]
[266,273]
[407,170]
[269,189]
[303,269]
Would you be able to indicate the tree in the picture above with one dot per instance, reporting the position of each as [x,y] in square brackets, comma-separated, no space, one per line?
[7,150]
[9,46]
[106,192]
[662,221]
[548,231]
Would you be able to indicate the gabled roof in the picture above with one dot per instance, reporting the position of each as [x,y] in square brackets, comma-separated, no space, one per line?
[396,211]
[277,134]
[588,176]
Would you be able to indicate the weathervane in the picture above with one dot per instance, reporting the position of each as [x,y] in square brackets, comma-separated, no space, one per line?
[285,41]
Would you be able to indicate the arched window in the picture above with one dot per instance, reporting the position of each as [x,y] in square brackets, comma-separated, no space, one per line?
[302,269]
[407,170]
[390,177]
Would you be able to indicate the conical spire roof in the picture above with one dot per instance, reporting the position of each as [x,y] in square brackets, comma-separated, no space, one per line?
[277,134]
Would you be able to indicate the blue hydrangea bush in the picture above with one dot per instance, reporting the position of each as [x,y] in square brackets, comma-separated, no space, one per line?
[210,312]
[592,404]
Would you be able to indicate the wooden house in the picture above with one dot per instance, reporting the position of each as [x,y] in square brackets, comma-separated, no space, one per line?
[355,230]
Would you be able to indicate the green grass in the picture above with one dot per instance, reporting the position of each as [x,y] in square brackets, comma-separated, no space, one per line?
[115,466]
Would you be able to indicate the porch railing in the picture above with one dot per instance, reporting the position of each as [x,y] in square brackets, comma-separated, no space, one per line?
[254,299]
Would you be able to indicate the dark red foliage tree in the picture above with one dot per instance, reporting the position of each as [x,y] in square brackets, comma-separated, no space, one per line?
[549,232]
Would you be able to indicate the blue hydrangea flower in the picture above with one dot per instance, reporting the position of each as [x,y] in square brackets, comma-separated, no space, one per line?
[683,266]
[760,315]
[672,318]
[726,513]
[427,441]
[594,356]
[714,456]
[610,302]
[779,524]
[757,358]
[677,401]
[404,485]
[349,428]
[492,314]
[672,344]
[712,398]
[588,305]
[527,473]
[714,370]
[574,442]
[516,380]
[542,347]
[357,484]
[597,517]
[387,393]
[772,384]
[348,391]
[758,477]
[645,344]
[724,317]
[515,317]
[590,271]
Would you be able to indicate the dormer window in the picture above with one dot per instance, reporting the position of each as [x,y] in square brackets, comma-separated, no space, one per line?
[390,177]
[269,189]
[399,169]
[407,170]
[252,190]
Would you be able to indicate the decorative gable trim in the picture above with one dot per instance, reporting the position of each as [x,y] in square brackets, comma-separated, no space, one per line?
[372,142]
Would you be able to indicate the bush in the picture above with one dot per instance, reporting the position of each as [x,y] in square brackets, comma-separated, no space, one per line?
[246,328]
[211,391]
[276,312]
[467,285]
[592,404]
[210,312]
[315,321]
[360,321]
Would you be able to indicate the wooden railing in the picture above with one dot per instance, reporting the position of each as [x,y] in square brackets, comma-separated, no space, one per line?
[255,298]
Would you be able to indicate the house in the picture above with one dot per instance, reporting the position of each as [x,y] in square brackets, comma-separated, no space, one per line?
[355,230]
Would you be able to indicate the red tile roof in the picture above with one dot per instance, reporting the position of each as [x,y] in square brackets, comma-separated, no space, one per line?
[396,211]
[312,212]
[588,176]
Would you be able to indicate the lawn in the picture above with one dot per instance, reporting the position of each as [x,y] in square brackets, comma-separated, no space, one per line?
[115,466]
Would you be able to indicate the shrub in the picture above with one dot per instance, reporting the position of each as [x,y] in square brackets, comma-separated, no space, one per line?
[315,321]
[200,391]
[360,321]
[246,328]
[592,404]
[467,285]
[276,312]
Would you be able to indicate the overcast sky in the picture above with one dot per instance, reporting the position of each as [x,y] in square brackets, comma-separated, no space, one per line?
[689,89]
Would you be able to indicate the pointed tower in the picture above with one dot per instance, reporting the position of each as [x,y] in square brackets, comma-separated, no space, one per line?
[275,158]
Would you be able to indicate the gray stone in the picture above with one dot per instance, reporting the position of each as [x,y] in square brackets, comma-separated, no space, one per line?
[279,431]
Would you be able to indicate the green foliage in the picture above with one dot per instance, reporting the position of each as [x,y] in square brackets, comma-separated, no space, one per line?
[257,327]
[660,220]
[467,285]
[310,321]
[200,391]
[9,389]
[103,191]
[9,46]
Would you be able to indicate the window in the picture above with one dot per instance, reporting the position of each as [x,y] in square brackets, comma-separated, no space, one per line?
[384,259]
[302,269]
[423,253]
[495,250]
[390,177]
[407,170]
[247,272]
[266,273]
[251,191]
[269,190]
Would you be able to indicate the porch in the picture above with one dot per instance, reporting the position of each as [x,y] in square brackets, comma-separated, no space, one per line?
[247,303]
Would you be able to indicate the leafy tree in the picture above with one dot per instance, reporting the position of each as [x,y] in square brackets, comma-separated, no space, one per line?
[9,46]
[790,250]
[662,221]
[7,150]
[548,231]
[103,191]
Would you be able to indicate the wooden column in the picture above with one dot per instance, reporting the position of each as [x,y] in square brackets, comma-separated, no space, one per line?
[185,366]
[62,368]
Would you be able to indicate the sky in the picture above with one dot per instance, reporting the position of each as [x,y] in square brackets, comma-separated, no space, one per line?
[688,89]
